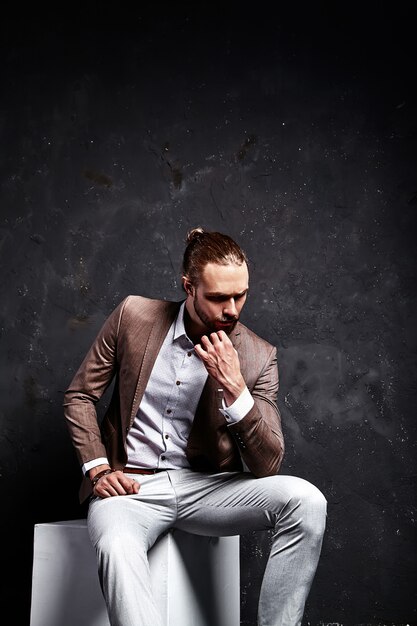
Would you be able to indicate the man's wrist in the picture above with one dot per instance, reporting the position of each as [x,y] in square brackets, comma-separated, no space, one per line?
[100,475]
[234,392]
[97,469]
[241,407]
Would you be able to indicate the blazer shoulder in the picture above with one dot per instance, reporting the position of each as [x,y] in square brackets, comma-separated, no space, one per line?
[147,309]
[252,340]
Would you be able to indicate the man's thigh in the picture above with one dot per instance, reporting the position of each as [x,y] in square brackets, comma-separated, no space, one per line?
[231,503]
[141,517]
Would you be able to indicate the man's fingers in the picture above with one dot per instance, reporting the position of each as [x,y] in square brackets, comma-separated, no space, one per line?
[129,485]
[219,337]
[222,336]
[198,348]
[215,339]
[116,484]
[204,348]
[205,341]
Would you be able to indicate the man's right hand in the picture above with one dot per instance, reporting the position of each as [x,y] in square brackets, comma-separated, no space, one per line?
[114,484]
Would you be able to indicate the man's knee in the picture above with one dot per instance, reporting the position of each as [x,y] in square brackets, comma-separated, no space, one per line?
[305,504]
[311,508]
[310,495]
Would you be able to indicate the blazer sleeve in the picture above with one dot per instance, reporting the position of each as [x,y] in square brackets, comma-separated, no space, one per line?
[93,377]
[259,434]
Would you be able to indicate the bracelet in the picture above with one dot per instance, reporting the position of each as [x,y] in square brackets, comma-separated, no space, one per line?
[97,477]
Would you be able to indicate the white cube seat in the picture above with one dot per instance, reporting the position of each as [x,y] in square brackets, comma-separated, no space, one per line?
[195,579]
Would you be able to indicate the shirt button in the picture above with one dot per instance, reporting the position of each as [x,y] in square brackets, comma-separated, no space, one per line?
[163,458]
[178,382]
[169,411]
[189,353]
[166,436]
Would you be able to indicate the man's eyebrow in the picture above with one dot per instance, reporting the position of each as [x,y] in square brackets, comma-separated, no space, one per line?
[221,294]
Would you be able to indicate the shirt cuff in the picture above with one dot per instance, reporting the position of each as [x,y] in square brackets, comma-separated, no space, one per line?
[90,464]
[240,407]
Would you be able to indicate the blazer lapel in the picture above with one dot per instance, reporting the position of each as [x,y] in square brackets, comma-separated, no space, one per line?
[235,336]
[160,327]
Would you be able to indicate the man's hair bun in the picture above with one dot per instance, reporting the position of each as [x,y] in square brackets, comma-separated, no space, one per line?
[194,233]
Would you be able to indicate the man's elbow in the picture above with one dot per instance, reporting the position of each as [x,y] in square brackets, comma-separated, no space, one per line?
[72,396]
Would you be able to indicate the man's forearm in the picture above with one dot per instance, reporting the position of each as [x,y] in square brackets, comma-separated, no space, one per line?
[81,419]
[259,434]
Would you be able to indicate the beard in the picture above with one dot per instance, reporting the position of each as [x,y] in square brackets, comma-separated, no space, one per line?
[216,324]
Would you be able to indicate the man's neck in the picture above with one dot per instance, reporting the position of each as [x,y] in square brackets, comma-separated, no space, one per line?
[193,329]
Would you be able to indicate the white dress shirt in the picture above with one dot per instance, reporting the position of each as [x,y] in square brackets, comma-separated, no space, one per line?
[159,434]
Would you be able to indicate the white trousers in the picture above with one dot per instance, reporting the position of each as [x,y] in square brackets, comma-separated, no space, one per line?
[123,528]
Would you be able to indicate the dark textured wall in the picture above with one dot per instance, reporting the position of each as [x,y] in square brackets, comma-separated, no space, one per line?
[295,133]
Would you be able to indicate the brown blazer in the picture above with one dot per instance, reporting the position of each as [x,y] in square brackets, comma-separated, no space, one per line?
[125,350]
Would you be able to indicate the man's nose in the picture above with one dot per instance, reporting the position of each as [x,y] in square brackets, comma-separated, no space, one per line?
[230,308]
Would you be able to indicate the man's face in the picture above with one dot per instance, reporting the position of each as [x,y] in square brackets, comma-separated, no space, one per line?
[216,301]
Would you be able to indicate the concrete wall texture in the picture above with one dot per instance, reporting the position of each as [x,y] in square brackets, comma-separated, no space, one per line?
[292,131]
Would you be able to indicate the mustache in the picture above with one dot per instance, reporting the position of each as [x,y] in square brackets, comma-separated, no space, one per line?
[228,318]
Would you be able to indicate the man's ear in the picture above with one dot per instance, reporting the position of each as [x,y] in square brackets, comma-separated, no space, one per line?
[187,285]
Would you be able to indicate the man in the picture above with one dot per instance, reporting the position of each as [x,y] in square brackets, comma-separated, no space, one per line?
[191,439]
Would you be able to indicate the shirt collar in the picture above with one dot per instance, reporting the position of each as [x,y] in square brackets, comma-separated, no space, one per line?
[179,327]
